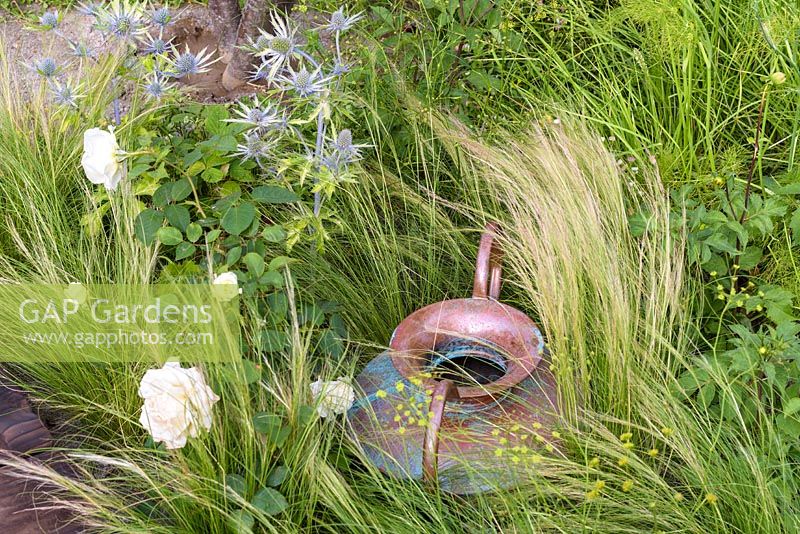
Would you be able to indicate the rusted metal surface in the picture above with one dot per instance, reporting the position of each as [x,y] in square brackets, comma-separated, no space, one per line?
[419,418]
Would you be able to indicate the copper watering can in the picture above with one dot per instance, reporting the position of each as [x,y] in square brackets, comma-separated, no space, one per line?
[463,398]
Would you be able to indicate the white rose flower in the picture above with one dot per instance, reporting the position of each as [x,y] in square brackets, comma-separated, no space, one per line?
[332,397]
[177,404]
[225,280]
[101,160]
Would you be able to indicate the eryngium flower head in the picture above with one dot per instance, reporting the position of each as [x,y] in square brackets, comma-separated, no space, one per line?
[156,45]
[256,147]
[304,82]
[161,17]
[187,63]
[340,69]
[255,115]
[121,19]
[339,22]
[343,151]
[157,87]
[90,9]
[50,20]
[64,95]
[46,67]
[281,45]
[81,50]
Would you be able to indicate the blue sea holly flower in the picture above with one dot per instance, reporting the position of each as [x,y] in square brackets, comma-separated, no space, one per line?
[343,148]
[339,22]
[50,20]
[255,115]
[340,69]
[281,45]
[81,50]
[121,19]
[186,63]
[256,147]
[157,87]
[304,82]
[90,9]
[161,17]
[46,67]
[156,46]
[64,95]
[259,46]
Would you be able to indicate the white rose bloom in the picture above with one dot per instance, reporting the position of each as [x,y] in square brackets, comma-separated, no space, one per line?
[100,159]
[226,279]
[332,397]
[177,404]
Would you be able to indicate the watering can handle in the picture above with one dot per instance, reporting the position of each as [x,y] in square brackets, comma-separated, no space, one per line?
[488,267]
[443,391]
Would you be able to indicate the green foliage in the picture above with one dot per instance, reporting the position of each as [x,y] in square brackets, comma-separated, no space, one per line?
[747,335]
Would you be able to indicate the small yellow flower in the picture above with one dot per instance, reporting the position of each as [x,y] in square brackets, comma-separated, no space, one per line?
[626,436]
[416,381]
[713,273]
[678,497]
[622,462]
[399,407]
[400,386]
[498,452]
[628,445]
[514,428]
[407,413]
[762,350]
[548,448]
[439,398]
[667,431]
[430,415]
[515,459]
[523,437]
[777,77]
[422,422]
[592,495]
[599,485]
[652,453]
[397,418]
[711,499]
[536,425]
[594,462]
[495,431]
[536,458]
[627,485]
[759,307]
[503,441]
[380,394]
[401,430]
[412,420]
[555,434]
[538,438]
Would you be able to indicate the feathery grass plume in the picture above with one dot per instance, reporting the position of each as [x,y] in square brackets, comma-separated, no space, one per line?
[43,193]
[605,300]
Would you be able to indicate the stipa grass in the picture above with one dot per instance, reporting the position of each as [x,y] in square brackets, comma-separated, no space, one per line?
[45,198]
